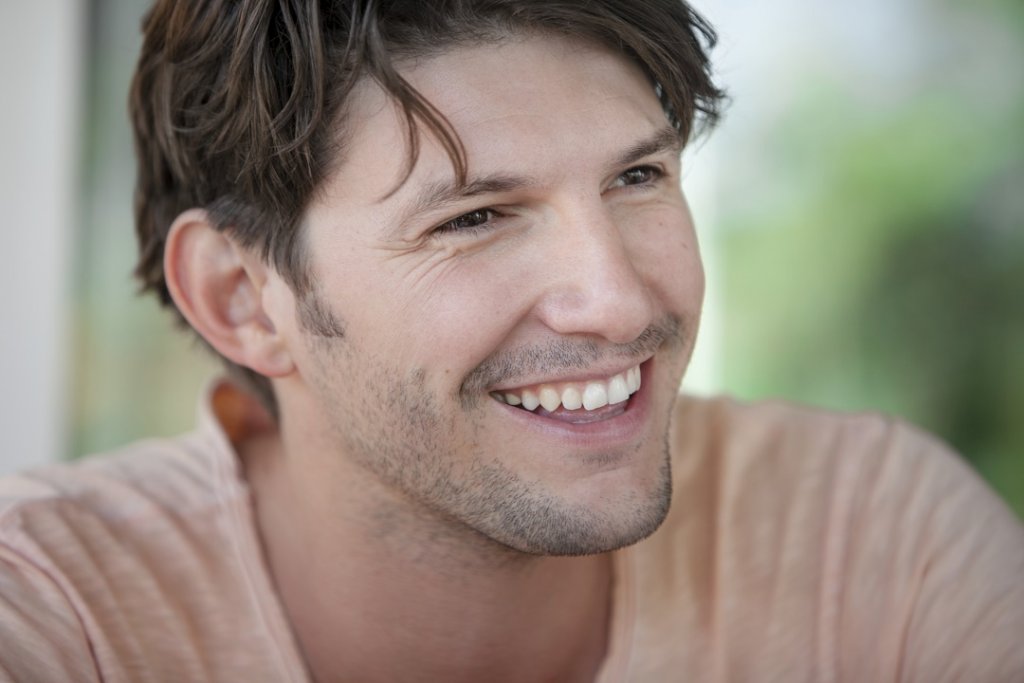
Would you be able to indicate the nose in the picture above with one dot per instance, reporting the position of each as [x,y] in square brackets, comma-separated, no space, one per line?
[596,282]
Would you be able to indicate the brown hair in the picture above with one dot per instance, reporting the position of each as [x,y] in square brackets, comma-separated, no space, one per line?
[238,105]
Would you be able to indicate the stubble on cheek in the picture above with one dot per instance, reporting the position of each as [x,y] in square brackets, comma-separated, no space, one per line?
[432,452]
[316,318]
[386,423]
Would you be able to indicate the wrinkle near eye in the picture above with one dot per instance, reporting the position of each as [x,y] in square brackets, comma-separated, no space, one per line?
[427,260]
[432,276]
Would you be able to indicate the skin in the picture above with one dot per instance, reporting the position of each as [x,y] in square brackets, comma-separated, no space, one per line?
[416,528]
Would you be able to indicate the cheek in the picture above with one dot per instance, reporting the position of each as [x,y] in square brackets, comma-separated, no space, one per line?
[665,253]
[461,312]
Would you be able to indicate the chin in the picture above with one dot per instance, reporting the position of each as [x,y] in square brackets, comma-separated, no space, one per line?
[550,525]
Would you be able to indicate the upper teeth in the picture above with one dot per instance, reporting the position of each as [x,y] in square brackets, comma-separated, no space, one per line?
[575,395]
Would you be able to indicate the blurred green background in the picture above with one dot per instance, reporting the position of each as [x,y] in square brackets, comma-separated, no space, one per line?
[862,208]
[872,242]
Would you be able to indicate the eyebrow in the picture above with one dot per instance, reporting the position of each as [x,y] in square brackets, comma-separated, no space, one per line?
[666,139]
[440,193]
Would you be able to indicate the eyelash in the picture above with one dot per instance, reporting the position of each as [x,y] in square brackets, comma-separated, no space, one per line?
[652,174]
[453,227]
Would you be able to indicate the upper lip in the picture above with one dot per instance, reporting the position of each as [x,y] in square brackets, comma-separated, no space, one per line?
[592,373]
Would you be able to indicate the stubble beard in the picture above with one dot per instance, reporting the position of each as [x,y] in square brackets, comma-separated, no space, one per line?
[407,442]
[485,503]
[529,521]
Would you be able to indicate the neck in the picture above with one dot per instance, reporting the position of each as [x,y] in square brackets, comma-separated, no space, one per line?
[385,591]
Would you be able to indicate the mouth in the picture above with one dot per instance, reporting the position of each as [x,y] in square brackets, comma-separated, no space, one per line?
[575,402]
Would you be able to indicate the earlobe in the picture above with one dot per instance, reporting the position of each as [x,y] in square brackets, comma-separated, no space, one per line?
[218,287]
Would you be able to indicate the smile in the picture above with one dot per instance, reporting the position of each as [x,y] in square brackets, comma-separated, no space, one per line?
[590,395]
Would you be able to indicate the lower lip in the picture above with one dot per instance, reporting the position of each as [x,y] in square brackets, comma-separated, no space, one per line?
[615,431]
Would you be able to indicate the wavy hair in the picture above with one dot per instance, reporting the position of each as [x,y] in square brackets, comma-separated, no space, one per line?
[237,106]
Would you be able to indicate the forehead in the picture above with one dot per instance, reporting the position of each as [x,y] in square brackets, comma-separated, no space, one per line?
[528,105]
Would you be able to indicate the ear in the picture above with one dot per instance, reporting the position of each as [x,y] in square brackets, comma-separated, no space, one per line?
[218,286]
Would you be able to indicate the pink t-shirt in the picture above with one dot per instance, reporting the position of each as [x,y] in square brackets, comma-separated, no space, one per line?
[801,546]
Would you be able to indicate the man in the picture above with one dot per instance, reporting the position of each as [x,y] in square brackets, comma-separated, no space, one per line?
[444,251]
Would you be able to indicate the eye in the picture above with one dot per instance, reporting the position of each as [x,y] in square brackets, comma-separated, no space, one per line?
[638,175]
[473,221]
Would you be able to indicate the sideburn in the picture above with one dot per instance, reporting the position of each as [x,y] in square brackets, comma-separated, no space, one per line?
[316,318]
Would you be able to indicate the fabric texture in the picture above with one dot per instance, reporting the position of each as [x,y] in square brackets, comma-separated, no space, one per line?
[801,546]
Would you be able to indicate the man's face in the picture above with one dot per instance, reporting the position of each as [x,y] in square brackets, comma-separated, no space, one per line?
[568,263]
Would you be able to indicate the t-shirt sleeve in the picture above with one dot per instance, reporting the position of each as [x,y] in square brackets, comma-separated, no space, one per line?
[41,636]
[936,571]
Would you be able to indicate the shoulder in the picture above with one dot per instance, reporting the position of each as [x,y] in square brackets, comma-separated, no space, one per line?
[147,481]
[773,474]
[856,539]
[781,430]
[770,464]
[860,466]
[779,454]
[106,513]
[103,559]
[136,485]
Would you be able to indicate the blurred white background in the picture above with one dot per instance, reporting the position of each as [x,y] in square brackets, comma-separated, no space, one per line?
[41,75]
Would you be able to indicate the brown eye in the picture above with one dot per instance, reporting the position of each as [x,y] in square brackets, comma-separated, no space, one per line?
[474,220]
[638,175]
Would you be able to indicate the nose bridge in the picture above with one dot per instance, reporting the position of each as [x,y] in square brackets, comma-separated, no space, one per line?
[600,289]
